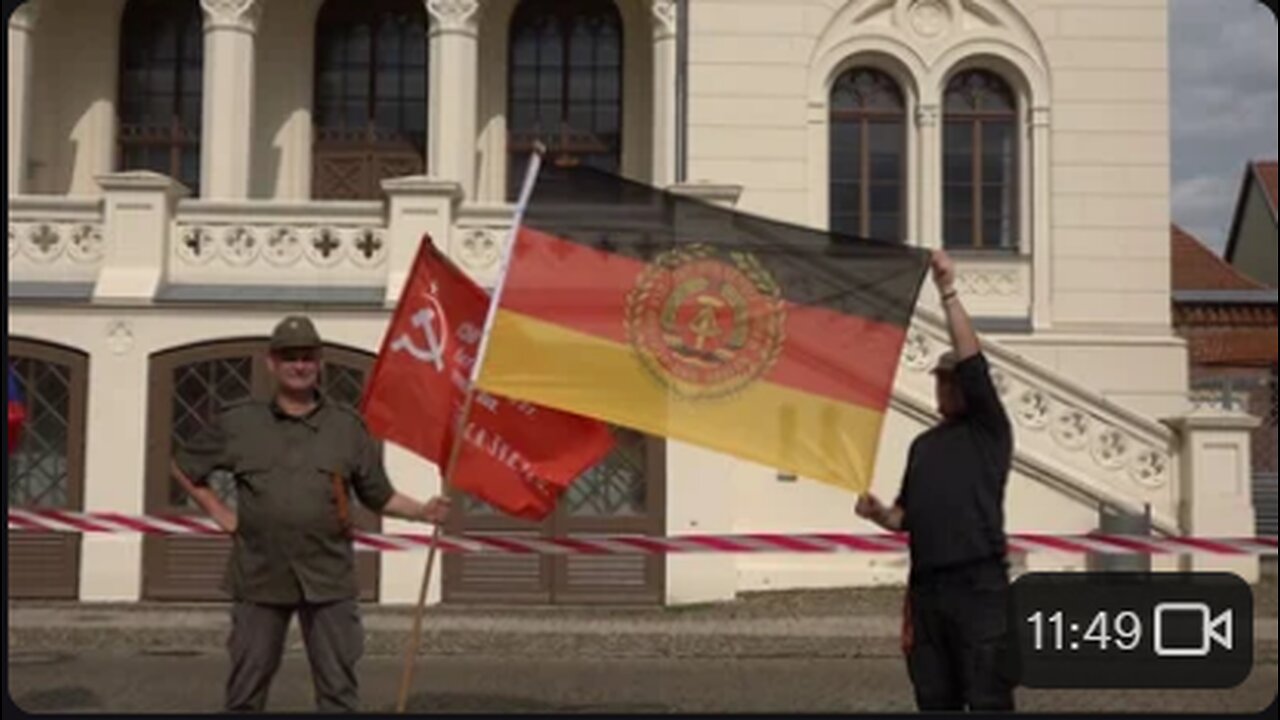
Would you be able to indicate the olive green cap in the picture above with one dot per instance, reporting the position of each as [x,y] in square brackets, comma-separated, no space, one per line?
[295,332]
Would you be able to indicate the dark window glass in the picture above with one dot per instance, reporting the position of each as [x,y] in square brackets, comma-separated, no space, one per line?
[980,163]
[370,96]
[868,151]
[565,84]
[161,85]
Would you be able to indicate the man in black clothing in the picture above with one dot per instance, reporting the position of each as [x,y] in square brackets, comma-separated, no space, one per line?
[959,653]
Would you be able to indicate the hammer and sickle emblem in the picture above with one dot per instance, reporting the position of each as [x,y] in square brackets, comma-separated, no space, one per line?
[426,321]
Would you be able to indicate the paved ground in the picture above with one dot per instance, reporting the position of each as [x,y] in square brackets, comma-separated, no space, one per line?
[133,683]
[805,651]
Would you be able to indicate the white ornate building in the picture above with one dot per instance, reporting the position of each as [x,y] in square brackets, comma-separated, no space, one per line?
[184,172]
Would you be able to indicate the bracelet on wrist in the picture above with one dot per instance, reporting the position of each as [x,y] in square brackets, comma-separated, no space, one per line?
[950,295]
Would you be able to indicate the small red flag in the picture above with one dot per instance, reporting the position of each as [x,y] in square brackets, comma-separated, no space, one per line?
[17,413]
[515,456]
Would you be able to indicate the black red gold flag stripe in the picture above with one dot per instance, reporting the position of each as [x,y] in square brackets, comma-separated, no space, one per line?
[771,342]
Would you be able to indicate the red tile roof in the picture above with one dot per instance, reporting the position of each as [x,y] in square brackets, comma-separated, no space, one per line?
[1234,346]
[1196,267]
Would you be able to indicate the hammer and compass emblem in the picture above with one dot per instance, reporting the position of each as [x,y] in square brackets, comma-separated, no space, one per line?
[432,325]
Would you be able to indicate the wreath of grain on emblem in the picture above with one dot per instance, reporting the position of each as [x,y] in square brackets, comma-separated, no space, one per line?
[748,264]
[755,271]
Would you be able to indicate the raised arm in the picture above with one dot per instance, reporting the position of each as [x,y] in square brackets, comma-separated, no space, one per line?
[973,374]
[964,340]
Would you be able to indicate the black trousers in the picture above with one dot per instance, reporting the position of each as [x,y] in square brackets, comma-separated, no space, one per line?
[963,656]
[334,638]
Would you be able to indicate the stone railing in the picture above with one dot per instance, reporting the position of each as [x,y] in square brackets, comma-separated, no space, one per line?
[144,240]
[55,239]
[480,235]
[316,244]
[1064,431]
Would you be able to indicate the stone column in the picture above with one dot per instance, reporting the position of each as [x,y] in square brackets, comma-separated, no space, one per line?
[111,565]
[928,210]
[665,19]
[230,28]
[22,26]
[929,220]
[454,102]
[1041,224]
[1217,484]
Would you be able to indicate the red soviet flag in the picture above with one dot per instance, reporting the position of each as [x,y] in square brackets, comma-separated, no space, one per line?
[515,456]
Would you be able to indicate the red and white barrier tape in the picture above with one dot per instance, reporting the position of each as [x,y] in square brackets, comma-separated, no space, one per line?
[115,523]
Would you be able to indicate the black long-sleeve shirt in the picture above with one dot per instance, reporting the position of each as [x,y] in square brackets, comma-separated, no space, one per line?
[954,486]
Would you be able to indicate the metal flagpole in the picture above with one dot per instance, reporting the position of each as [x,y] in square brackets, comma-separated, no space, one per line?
[415,635]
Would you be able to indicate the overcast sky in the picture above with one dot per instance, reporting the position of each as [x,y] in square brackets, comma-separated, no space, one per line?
[1223,67]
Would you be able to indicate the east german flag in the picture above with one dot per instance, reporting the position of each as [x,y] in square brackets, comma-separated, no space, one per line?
[654,311]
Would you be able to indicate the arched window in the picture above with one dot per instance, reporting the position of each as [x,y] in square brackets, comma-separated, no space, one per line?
[188,388]
[370,109]
[980,160]
[161,83]
[46,470]
[565,84]
[868,156]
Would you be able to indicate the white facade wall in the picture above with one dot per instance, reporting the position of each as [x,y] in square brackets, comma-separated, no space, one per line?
[1091,280]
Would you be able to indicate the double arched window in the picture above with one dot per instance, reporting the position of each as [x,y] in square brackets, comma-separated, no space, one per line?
[980,159]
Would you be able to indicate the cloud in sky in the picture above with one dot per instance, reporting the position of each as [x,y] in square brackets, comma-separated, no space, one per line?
[1223,76]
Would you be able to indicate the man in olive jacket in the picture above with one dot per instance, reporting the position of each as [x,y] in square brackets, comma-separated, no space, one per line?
[292,458]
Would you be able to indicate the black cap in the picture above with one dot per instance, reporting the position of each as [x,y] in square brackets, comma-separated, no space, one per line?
[295,332]
[947,363]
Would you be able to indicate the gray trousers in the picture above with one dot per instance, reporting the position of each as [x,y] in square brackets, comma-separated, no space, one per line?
[334,639]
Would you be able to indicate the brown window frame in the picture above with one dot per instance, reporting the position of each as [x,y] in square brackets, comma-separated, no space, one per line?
[978,120]
[46,566]
[865,117]
[146,18]
[564,142]
[349,163]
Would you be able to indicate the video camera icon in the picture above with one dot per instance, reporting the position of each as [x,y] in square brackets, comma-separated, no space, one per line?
[1213,631]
